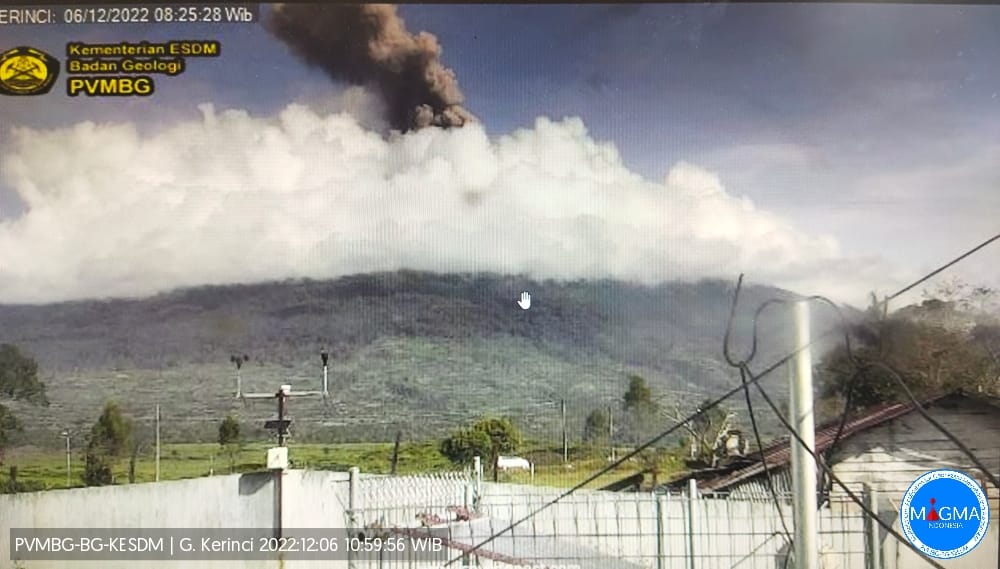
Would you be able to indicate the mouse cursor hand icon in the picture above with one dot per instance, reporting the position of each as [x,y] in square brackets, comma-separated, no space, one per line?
[525,302]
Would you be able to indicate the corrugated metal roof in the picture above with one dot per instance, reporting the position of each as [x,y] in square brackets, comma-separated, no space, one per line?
[777,455]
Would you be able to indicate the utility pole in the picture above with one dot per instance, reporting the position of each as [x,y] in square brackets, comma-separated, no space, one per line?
[565,440]
[325,356]
[282,394]
[157,443]
[395,453]
[611,432]
[803,464]
[65,434]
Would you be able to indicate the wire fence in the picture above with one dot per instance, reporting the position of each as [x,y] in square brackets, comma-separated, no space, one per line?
[604,530]
[580,529]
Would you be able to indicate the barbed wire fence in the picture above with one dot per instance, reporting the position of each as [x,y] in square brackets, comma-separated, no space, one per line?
[601,530]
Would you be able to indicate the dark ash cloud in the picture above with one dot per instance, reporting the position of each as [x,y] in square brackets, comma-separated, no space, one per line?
[368,44]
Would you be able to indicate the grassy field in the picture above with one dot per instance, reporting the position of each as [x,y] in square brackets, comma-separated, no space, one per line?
[41,469]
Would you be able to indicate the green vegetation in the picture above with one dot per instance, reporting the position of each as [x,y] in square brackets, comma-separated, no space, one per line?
[18,381]
[424,354]
[8,426]
[19,376]
[642,412]
[638,397]
[229,439]
[596,428]
[41,469]
[935,347]
[488,438]
[109,438]
[429,351]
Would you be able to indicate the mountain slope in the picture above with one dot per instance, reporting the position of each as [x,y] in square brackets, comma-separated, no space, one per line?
[410,350]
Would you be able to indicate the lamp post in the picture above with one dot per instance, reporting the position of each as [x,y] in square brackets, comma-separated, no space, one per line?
[565,440]
[325,356]
[65,434]
[157,443]
[238,361]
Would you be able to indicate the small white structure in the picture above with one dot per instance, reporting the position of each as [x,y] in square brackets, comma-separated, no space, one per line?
[277,458]
[513,462]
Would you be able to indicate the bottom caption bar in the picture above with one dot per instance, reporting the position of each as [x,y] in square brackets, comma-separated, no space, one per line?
[76,544]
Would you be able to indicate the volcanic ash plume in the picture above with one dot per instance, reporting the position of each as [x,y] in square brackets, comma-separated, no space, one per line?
[368,44]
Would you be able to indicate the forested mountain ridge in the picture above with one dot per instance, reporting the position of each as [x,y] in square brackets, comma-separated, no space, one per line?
[408,343]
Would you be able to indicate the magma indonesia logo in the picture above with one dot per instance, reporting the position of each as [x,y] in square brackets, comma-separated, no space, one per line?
[944,514]
[27,71]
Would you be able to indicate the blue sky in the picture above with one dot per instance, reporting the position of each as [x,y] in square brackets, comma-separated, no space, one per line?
[875,124]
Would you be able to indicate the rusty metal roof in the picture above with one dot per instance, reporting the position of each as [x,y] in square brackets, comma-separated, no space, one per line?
[777,454]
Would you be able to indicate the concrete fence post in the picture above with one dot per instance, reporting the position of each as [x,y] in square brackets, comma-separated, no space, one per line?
[661,530]
[352,493]
[477,470]
[692,517]
[873,544]
[354,474]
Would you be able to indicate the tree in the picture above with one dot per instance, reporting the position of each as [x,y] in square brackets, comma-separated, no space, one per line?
[929,353]
[19,376]
[706,432]
[8,426]
[465,444]
[988,336]
[109,439]
[969,298]
[639,396]
[488,437]
[133,457]
[641,410]
[229,439]
[596,426]
[655,462]
[18,380]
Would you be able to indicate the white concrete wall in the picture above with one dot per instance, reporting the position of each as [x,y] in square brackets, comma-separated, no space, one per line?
[634,527]
[235,501]
[315,499]
[310,500]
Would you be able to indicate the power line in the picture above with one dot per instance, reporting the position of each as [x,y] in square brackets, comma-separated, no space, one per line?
[941,269]
[951,437]
[677,425]
[746,393]
[829,472]
[754,380]
[860,369]
[753,352]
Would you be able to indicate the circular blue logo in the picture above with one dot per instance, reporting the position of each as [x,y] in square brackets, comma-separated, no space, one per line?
[944,514]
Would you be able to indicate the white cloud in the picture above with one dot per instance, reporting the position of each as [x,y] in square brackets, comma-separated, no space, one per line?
[235,198]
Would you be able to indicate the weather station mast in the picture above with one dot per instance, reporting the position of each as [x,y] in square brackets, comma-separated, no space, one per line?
[277,457]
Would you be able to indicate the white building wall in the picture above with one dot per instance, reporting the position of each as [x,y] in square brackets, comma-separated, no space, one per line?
[889,457]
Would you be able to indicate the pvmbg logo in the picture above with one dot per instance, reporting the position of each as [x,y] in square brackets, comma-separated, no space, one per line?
[944,514]
[27,71]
